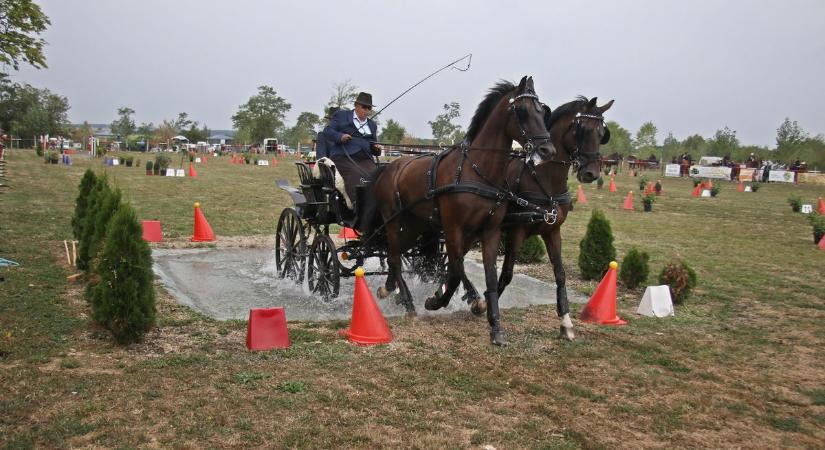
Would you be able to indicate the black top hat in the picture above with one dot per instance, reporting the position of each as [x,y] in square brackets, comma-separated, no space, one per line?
[364,99]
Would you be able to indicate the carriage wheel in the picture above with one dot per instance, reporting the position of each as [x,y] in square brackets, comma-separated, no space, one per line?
[322,270]
[290,246]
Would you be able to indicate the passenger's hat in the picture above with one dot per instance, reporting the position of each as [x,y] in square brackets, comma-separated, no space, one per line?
[331,112]
[364,99]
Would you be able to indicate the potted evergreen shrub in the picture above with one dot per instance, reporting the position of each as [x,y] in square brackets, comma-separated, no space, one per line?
[600,182]
[696,181]
[128,160]
[635,268]
[642,183]
[596,249]
[817,225]
[796,202]
[647,201]
[755,186]
[714,190]
[149,167]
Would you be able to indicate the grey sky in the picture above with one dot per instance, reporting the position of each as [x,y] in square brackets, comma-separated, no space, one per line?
[688,66]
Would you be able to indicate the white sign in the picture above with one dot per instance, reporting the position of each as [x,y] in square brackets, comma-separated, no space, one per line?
[748,189]
[656,302]
[180,173]
[263,162]
[710,172]
[115,162]
[672,170]
[705,193]
[170,172]
[198,159]
[780,176]
[807,209]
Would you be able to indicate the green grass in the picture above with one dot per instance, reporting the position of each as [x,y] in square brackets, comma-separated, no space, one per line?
[745,339]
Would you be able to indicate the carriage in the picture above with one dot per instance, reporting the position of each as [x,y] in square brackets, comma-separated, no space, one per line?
[304,248]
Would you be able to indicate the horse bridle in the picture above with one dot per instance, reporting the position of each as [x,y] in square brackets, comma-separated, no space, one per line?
[531,142]
[577,158]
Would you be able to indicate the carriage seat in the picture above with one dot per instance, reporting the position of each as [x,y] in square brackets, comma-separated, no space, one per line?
[324,171]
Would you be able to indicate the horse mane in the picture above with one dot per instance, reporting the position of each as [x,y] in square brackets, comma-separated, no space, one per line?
[486,107]
[576,106]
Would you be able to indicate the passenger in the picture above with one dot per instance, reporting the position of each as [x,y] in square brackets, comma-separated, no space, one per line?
[322,144]
[353,136]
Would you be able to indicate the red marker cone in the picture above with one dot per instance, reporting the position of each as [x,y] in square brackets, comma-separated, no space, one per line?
[741,186]
[580,197]
[821,208]
[709,185]
[151,231]
[347,233]
[697,191]
[233,159]
[192,172]
[821,243]
[628,201]
[612,187]
[601,308]
[368,326]
[266,329]
[203,232]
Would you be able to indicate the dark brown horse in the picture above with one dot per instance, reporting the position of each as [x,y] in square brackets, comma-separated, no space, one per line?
[577,130]
[460,191]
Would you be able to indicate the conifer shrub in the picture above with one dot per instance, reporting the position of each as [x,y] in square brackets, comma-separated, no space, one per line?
[87,183]
[681,279]
[635,268]
[532,250]
[93,204]
[95,228]
[124,299]
[596,249]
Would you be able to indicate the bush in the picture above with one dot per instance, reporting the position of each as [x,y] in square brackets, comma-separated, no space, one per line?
[87,183]
[696,181]
[817,226]
[101,211]
[600,182]
[149,166]
[596,249]
[714,190]
[634,269]
[124,300]
[796,202]
[642,183]
[755,186]
[680,278]
[162,163]
[532,250]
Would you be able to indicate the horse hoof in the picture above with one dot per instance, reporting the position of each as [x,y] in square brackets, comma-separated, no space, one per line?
[497,338]
[478,307]
[383,292]
[432,304]
[566,333]
[411,315]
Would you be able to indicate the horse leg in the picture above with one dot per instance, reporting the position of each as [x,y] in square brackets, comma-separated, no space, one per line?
[478,305]
[455,272]
[394,260]
[515,238]
[389,285]
[489,249]
[552,241]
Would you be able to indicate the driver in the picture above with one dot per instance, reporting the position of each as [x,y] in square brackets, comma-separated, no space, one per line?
[352,136]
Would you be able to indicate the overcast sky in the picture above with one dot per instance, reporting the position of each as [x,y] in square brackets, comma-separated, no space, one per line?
[688,66]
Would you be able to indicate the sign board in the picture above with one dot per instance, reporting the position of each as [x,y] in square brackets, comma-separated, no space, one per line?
[115,162]
[746,174]
[263,162]
[180,173]
[705,193]
[748,189]
[672,170]
[807,209]
[781,176]
[198,159]
[710,172]
[170,172]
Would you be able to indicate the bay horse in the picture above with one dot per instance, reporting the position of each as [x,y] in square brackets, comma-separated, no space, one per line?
[460,191]
[577,130]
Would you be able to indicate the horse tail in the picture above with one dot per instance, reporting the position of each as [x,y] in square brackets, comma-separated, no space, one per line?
[370,217]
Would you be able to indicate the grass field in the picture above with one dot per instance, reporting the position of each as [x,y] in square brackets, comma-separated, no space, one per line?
[741,364]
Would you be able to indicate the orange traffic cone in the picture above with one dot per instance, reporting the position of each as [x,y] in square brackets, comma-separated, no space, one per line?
[233,159]
[274,162]
[822,243]
[192,172]
[203,232]
[821,208]
[601,308]
[709,185]
[612,187]
[580,197]
[628,201]
[697,191]
[741,186]
[348,233]
[266,329]
[368,326]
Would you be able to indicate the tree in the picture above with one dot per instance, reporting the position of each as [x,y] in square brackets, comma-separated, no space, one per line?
[670,147]
[262,116]
[182,123]
[165,132]
[724,142]
[645,141]
[124,125]
[343,94]
[28,111]
[82,132]
[195,134]
[20,23]
[305,128]
[695,145]
[444,130]
[620,141]
[392,133]
[789,134]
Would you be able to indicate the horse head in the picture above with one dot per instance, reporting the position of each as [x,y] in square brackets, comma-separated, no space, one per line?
[529,128]
[581,133]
